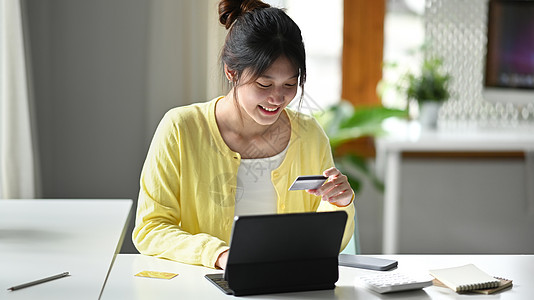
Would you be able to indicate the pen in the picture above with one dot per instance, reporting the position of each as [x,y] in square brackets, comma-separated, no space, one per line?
[24,285]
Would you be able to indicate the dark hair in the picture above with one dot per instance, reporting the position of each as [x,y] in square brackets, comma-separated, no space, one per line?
[258,35]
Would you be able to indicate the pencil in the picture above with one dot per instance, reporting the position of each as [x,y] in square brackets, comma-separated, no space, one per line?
[24,285]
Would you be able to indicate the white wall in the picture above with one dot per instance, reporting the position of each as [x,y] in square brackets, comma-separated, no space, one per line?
[183,46]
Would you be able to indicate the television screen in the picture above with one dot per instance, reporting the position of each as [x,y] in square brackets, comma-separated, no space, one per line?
[510,48]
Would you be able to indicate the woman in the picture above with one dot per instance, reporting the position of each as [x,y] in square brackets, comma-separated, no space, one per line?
[237,154]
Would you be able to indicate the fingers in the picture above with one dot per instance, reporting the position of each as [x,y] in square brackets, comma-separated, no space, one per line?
[332,172]
[222,260]
[336,189]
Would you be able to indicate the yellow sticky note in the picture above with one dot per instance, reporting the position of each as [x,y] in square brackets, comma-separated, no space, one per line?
[154,274]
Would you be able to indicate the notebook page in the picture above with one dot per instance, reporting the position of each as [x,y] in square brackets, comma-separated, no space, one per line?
[464,278]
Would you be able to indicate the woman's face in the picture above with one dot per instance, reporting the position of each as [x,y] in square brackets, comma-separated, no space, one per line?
[264,99]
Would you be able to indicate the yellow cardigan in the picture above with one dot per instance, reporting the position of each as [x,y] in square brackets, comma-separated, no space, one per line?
[187,191]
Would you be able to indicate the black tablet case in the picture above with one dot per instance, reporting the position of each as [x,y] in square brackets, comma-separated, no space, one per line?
[285,252]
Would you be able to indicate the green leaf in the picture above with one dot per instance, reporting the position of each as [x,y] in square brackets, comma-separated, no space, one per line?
[343,122]
[360,163]
[331,118]
[356,162]
[371,116]
[355,184]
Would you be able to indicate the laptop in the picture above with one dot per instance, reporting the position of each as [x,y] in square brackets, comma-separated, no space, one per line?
[282,253]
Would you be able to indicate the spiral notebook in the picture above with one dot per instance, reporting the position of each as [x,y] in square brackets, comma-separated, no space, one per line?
[465,278]
[503,285]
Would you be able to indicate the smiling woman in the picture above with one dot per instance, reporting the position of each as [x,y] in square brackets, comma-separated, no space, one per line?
[260,104]
[239,153]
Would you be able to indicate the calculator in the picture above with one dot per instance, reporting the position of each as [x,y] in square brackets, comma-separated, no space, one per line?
[394,282]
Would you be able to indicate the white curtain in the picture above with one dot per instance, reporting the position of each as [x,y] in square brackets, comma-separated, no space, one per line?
[17,157]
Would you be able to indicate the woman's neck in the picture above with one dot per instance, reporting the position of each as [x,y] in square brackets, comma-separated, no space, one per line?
[245,136]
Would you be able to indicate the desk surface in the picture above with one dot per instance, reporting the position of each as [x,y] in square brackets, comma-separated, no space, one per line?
[40,238]
[191,284]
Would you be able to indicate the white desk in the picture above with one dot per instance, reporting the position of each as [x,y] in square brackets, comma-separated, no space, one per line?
[40,238]
[409,137]
[191,284]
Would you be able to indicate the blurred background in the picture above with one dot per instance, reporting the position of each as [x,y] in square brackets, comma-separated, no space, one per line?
[93,79]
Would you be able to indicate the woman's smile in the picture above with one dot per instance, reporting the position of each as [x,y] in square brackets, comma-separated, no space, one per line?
[269,111]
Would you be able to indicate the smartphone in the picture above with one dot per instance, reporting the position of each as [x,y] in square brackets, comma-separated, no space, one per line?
[308,182]
[367,262]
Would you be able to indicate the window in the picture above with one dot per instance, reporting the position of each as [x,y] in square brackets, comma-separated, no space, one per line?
[403,33]
[321,24]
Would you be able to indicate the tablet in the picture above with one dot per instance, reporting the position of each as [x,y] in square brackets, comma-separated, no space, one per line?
[283,253]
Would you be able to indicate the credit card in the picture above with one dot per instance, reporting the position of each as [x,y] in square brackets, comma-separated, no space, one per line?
[154,274]
[308,182]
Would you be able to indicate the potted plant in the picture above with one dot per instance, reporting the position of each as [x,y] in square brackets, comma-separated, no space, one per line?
[343,122]
[429,86]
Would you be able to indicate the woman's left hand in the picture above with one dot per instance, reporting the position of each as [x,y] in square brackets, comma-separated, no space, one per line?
[336,189]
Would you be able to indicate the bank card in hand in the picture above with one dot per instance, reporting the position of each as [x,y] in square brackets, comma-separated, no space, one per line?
[308,182]
[154,274]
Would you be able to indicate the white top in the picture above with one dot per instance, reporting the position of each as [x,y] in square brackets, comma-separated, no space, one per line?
[255,190]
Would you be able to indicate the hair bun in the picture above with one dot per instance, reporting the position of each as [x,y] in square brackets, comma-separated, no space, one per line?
[230,10]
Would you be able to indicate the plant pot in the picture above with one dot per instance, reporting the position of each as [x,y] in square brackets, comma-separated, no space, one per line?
[428,113]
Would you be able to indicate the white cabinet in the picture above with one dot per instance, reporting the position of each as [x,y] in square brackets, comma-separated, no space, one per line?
[457,191]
